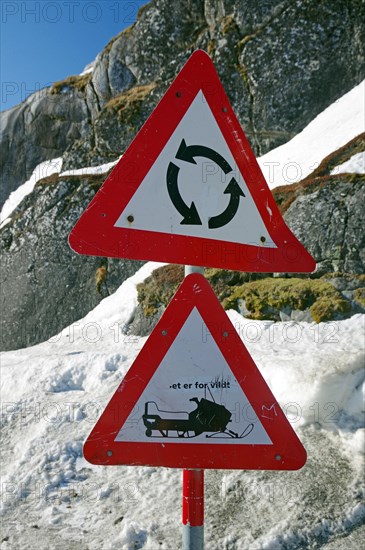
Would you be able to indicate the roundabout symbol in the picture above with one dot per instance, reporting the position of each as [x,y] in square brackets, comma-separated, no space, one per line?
[190,214]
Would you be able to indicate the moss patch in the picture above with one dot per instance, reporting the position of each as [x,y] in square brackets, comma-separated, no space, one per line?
[128,104]
[359,296]
[95,181]
[78,82]
[158,289]
[264,299]
[223,282]
[228,24]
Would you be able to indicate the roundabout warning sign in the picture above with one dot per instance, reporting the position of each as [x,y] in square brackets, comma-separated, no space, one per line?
[189,190]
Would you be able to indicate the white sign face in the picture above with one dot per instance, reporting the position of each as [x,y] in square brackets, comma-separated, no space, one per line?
[195,188]
[193,397]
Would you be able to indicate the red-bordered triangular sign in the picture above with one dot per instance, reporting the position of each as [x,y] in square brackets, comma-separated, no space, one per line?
[194,398]
[189,190]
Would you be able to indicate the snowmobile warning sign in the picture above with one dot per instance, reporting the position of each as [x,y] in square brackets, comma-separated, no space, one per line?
[204,403]
[194,398]
[189,190]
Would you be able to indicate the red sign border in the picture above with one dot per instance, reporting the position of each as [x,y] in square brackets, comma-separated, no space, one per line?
[286,452]
[94,234]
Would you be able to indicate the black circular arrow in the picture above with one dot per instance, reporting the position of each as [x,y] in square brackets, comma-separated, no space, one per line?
[190,214]
[229,213]
[188,152]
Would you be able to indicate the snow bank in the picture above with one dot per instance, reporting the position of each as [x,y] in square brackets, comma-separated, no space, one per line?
[53,393]
[43,170]
[355,165]
[101,169]
[330,130]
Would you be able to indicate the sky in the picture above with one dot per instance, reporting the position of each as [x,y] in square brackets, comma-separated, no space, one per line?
[46,41]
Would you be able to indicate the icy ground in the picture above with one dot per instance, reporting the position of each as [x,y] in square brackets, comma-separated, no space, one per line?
[52,394]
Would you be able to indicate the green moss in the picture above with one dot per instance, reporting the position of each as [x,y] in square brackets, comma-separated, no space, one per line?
[94,181]
[211,46]
[142,9]
[78,82]
[242,69]
[124,32]
[326,307]
[228,24]
[224,281]
[48,180]
[158,289]
[359,296]
[266,297]
[128,104]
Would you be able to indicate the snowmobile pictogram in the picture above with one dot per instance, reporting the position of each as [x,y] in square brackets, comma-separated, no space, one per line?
[207,417]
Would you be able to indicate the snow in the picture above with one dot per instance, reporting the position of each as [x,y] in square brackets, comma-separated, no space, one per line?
[52,394]
[101,169]
[88,69]
[43,170]
[330,130]
[355,165]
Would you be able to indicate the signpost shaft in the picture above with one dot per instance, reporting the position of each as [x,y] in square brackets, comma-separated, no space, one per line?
[193,490]
[193,510]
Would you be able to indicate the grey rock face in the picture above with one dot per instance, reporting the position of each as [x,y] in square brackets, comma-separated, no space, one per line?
[328,223]
[142,325]
[292,54]
[39,129]
[45,286]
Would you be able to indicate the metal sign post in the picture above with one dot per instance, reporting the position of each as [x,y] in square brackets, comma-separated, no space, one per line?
[193,491]
[193,510]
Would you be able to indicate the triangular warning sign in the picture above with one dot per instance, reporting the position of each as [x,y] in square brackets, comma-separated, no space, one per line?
[194,398]
[189,190]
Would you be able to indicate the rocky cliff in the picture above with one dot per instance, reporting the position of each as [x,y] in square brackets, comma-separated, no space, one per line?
[45,286]
[280,62]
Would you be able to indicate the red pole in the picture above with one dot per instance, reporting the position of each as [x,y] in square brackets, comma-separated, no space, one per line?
[193,491]
[193,510]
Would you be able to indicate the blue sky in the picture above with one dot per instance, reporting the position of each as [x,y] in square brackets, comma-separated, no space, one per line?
[45,41]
